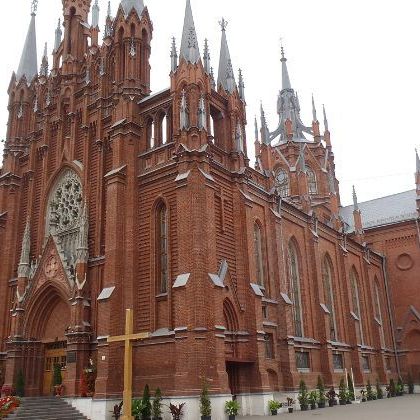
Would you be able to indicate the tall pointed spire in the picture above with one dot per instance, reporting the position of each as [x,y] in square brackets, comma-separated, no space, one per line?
[206,57]
[129,5]
[355,201]
[314,116]
[28,65]
[189,44]
[417,162]
[95,15]
[256,128]
[58,35]
[285,72]
[23,269]
[43,72]
[325,119]
[265,133]
[241,86]
[108,12]
[226,78]
[174,56]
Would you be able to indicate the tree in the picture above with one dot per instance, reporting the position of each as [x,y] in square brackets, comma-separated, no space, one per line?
[146,412]
[351,387]
[157,404]
[205,403]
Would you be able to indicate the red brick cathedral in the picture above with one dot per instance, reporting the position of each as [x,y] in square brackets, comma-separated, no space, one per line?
[112,197]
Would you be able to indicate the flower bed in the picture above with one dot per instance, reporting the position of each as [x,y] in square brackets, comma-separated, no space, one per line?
[8,405]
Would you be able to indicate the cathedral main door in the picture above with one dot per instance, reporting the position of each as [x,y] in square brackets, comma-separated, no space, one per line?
[55,354]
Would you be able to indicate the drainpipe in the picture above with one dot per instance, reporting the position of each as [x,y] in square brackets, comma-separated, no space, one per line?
[390,314]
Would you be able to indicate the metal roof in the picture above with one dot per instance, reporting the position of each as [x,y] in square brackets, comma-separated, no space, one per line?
[383,211]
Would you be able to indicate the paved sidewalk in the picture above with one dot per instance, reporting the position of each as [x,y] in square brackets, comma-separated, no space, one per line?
[400,408]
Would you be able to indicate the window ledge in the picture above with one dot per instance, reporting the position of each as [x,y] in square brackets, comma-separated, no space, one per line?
[304,370]
[162,296]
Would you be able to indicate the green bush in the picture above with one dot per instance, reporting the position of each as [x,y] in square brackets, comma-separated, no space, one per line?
[157,404]
[369,391]
[205,403]
[232,408]
[274,405]
[146,412]
[392,388]
[342,393]
[379,392]
[321,390]
[303,396]
[351,387]
[137,408]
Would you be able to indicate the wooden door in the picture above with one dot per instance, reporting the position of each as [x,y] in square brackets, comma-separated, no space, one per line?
[55,354]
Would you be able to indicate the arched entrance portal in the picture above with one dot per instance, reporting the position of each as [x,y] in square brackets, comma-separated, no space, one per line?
[48,321]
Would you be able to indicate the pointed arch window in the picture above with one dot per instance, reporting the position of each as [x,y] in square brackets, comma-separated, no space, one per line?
[258,250]
[295,289]
[162,248]
[312,181]
[327,276]
[283,184]
[354,281]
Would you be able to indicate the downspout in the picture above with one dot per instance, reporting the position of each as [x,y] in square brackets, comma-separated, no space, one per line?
[390,314]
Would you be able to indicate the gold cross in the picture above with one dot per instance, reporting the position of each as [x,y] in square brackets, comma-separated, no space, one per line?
[128,339]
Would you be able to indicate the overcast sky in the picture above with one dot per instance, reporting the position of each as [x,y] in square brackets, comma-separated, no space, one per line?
[359,57]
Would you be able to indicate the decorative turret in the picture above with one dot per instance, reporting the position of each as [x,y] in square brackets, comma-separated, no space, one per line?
[24,264]
[327,136]
[174,56]
[189,44]
[315,123]
[265,134]
[28,65]
[108,26]
[43,71]
[357,216]
[226,78]
[241,86]
[95,15]
[206,57]
[58,36]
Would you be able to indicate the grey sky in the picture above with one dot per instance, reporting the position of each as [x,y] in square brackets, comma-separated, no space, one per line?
[360,57]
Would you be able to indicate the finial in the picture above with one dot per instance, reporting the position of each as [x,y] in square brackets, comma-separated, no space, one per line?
[355,202]
[108,13]
[223,23]
[325,118]
[314,116]
[34,7]
[174,56]
[282,49]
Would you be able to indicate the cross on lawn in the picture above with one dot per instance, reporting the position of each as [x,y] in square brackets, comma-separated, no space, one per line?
[128,339]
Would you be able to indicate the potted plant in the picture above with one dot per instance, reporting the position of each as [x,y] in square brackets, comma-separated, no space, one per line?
[274,406]
[205,403]
[410,383]
[20,384]
[321,393]
[303,396]
[88,380]
[117,411]
[157,405]
[363,395]
[290,404]
[369,392]
[137,408]
[400,387]
[313,398]
[331,394]
[57,381]
[350,387]
[349,397]
[379,392]
[176,411]
[146,412]
[232,409]
[342,393]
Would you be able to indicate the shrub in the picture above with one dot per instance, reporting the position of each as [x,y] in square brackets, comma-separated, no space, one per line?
[313,397]
[205,403]
[137,408]
[321,390]
[351,387]
[157,404]
[274,405]
[369,391]
[400,385]
[176,411]
[392,388]
[410,383]
[342,394]
[379,392]
[303,393]
[232,408]
[146,412]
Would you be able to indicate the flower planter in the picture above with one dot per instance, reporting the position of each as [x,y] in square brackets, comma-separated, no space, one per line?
[313,406]
[321,405]
[274,412]
[331,403]
[205,417]
[290,409]
[304,407]
[343,402]
[232,417]
[348,402]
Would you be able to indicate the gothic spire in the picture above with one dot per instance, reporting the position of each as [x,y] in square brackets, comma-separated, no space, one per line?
[108,12]
[241,86]
[28,65]
[174,56]
[355,202]
[256,128]
[285,72]
[44,64]
[417,162]
[189,45]
[226,78]
[129,5]
[314,116]
[325,118]
[58,35]
[23,269]
[95,15]
[265,134]
[206,56]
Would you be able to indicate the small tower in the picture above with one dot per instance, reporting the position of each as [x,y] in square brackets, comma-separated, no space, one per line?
[327,136]
[357,217]
[315,123]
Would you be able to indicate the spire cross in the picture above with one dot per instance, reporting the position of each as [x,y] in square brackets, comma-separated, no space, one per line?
[34,7]
[281,47]
[223,24]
